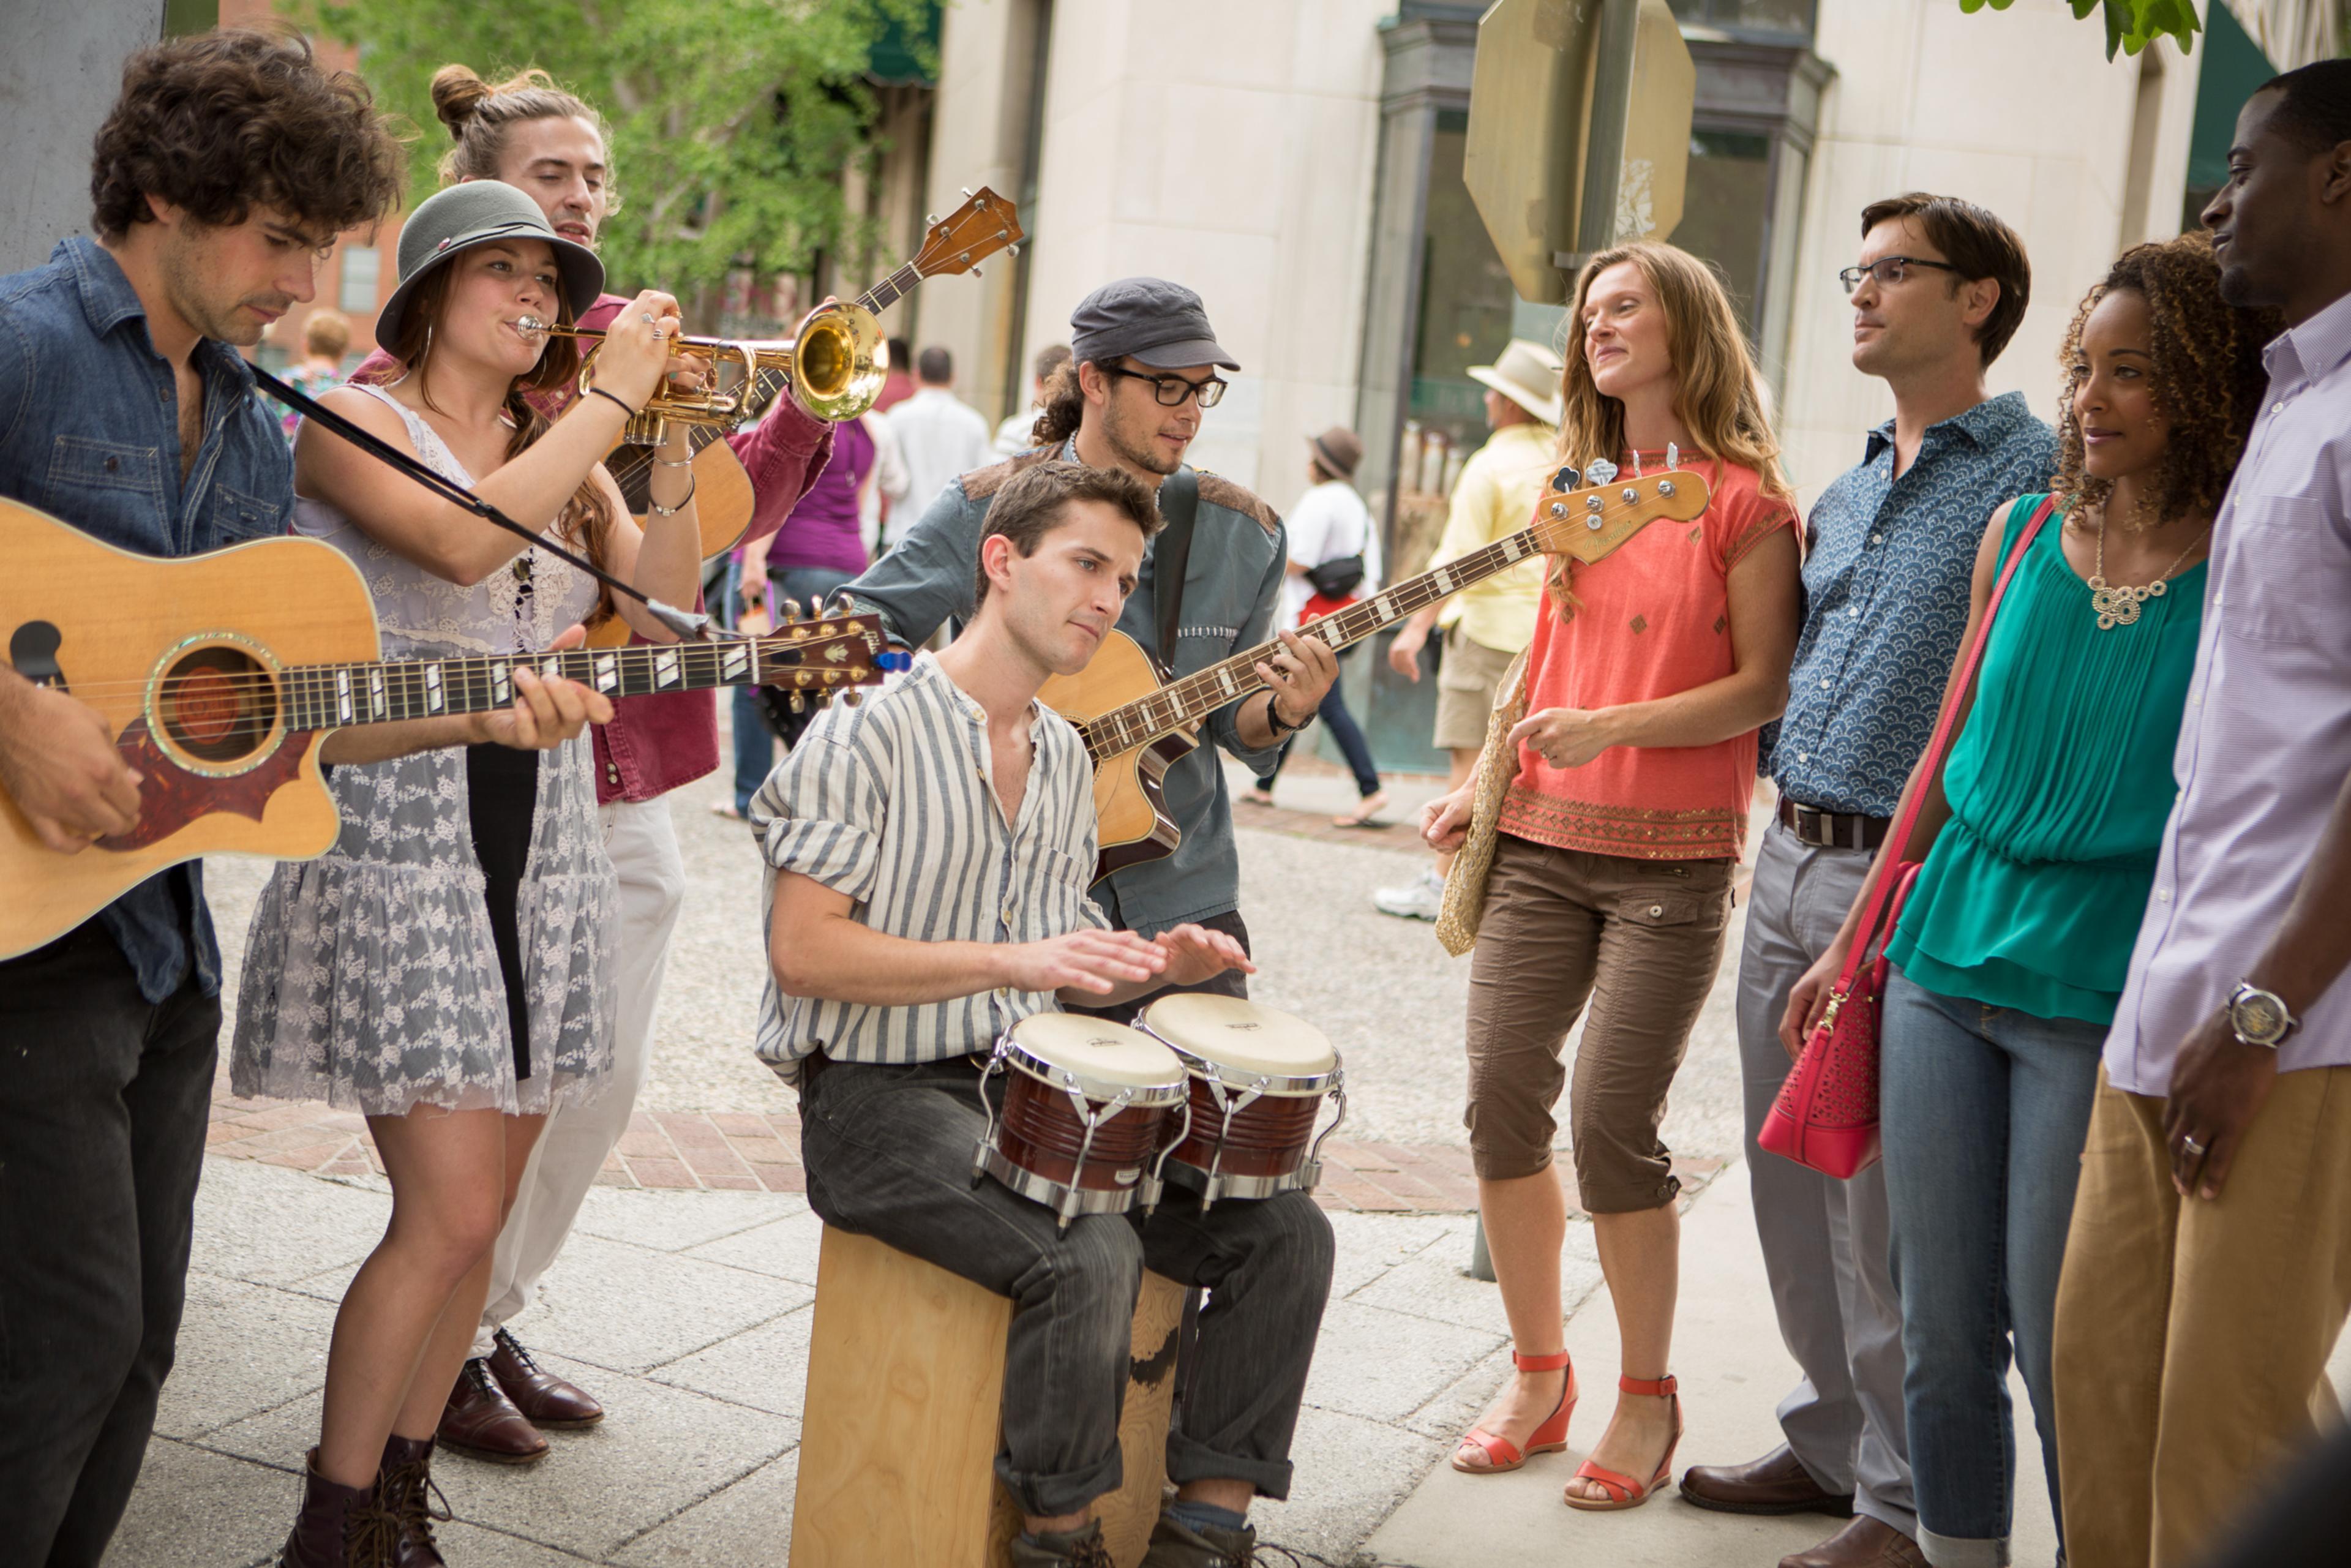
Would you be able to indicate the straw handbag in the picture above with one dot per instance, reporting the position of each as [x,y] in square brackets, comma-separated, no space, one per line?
[1465,885]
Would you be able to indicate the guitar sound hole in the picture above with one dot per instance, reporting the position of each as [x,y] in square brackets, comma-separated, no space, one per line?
[218,705]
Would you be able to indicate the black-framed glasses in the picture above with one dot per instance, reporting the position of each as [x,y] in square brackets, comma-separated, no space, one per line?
[1171,391]
[1888,270]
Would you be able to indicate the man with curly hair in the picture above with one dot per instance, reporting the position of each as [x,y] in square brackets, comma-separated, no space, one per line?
[224,171]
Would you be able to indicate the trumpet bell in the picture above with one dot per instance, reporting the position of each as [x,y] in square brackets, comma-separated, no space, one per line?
[839,362]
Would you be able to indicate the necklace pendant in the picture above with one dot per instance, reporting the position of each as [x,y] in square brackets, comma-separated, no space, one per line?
[2156,589]
[2106,622]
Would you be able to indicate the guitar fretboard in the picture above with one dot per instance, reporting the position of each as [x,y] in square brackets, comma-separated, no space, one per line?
[331,696]
[1183,703]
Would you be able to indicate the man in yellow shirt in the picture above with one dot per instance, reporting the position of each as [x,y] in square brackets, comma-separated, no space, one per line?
[1488,623]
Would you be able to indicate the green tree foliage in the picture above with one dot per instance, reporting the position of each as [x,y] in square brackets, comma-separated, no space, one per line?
[731,119]
[2131,24]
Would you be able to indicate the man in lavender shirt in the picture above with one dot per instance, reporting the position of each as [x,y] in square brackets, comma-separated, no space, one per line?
[2209,1268]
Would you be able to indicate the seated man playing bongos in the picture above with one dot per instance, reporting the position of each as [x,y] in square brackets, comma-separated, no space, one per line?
[931,851]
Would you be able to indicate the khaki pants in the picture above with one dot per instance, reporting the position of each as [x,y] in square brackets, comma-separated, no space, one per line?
[2189,1335]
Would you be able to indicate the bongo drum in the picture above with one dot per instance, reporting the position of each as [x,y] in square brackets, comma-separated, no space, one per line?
[1258,1078]
[1090,1110]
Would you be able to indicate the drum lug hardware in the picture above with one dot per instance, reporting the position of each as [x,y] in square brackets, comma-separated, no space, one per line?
[987,1134]
[1155,1184]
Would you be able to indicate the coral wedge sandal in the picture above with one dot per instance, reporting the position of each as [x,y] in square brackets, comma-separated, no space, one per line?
[1549,1437]
[1623,1491]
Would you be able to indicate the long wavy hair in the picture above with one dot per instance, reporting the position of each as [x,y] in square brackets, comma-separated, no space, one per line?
[2208,380]
[589,518]
[1718,396]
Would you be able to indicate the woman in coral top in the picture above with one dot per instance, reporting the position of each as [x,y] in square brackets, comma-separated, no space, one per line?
[1649,673]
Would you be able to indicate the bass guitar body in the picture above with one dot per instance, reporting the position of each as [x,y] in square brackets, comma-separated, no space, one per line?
[1129,800]
[179,656]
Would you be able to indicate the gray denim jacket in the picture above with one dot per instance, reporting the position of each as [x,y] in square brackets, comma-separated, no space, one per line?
[90,433]
[1231,586]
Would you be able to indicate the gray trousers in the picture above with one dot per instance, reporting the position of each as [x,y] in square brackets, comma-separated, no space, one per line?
[1825,1242]
[889,1152]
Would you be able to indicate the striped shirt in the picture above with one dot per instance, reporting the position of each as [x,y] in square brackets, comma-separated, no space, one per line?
[894,803]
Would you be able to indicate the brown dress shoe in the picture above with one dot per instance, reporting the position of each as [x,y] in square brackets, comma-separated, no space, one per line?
[1867,1542]
[1776,1483]
[482,1421]
[546,1400]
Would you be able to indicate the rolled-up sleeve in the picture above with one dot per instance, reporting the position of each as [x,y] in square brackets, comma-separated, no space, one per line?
[821,812]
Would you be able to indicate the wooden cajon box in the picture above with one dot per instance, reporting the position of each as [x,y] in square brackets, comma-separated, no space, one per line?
[905,1388]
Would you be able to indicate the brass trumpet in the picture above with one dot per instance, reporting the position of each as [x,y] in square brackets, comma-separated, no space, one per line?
[833,366]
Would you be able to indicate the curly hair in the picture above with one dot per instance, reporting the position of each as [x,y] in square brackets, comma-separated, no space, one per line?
[1718,395]
[225,122]
[2208,379]
[480,115]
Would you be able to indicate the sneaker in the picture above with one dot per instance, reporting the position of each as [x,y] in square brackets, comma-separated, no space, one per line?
[1419,899]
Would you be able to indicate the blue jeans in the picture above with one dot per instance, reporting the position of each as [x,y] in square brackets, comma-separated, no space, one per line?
[1984,1112]
[754,747]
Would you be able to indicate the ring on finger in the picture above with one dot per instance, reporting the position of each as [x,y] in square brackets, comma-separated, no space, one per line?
[2189,1146]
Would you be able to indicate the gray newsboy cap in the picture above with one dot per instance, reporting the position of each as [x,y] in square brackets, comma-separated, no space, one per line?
[1161,323]
[472,213]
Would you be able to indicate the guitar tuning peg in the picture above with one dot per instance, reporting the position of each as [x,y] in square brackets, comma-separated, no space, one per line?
[1012,250]
[930,220]
[1673,455]
[967,190]
[976,273]
[1567,478]
[792,610]
[852,697]
[800,703]
[1599,471]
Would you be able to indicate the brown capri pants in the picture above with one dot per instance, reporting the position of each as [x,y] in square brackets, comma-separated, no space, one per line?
[1640,940]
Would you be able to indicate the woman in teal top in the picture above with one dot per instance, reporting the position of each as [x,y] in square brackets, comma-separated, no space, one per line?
[2043,824]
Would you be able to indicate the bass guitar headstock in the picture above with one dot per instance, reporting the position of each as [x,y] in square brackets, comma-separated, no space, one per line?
[971,234]
[818,659]
[1589,514]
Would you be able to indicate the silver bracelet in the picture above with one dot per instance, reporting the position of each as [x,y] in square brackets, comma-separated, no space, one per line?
[665,462]
[683,501]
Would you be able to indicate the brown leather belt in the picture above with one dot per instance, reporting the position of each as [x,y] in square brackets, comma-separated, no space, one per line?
[1832,830]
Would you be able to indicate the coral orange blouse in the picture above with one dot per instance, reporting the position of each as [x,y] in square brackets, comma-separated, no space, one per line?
[1652,619]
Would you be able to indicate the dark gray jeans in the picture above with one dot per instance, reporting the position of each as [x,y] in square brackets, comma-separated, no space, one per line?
[889,1152]
[103,1104]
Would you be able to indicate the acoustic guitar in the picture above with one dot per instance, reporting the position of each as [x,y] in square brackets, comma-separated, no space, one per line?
[219,673]
[1137,724]
[983,226]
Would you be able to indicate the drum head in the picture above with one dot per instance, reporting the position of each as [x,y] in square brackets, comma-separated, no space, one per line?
[1242,1040]
[1103,1057]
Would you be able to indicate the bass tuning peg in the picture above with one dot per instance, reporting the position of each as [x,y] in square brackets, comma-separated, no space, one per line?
[1599,471]
[1567,478]
[1673,455]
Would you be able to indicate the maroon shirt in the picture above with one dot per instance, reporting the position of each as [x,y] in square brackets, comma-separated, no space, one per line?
[656,743]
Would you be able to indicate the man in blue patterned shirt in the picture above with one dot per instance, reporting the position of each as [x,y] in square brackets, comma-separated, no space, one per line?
[1940,289]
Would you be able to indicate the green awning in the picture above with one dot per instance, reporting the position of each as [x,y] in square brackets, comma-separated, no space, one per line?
[2233,68]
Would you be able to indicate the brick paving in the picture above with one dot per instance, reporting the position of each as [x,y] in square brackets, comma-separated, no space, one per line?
[724,1151]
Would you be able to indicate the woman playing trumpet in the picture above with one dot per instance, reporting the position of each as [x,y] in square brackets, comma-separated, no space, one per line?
[445,968]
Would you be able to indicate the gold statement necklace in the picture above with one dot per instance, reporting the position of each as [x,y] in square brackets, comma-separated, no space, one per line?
[2120,606]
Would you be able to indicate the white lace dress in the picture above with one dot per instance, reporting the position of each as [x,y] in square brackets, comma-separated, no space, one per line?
[371,975]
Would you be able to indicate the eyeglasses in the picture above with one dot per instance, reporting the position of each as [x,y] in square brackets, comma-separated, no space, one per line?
[1171,391]
[1888,270]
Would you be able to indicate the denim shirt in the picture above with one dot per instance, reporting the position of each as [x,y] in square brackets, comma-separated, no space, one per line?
[1232,584]
[1888,563]
[90,433]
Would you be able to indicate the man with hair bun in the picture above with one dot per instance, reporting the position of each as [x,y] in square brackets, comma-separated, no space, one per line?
[528,133]
[224,172]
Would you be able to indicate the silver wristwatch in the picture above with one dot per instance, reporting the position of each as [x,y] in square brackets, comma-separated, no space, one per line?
[2259,1016]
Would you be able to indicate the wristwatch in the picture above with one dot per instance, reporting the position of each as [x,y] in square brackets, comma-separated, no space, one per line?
[2259,1016]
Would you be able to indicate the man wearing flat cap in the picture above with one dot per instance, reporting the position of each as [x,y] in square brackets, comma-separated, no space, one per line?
[1144,366]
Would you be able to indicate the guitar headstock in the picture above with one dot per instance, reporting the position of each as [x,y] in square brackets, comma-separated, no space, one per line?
[968,235]
[1589,521]
[815,660]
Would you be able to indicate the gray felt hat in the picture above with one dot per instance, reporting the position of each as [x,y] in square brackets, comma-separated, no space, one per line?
[1161,323]
[472,213]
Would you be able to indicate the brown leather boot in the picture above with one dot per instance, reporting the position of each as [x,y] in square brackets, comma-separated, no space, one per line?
[1078,1547]
[546,1401]
[482,1421]
[338,1527]
[404,1490]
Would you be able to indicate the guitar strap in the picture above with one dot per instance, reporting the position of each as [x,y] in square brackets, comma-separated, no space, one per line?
[1171,556]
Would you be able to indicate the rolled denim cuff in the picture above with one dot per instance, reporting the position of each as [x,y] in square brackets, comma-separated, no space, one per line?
[1045,1496]
[1957,1552]
[1188,1461]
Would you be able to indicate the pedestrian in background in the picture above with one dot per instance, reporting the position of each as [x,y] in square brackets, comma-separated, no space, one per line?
[1488,622]
[2038,828]
[2208,1268]
[326,337]
[940,436]
[1017,434]
[1334,559]
[1938,292]
[1647,677]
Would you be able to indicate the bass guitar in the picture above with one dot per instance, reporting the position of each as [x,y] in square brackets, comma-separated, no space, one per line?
[1137,723]
[219,673]
[983,226]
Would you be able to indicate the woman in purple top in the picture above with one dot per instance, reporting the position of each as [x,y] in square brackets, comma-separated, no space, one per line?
[820,547]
